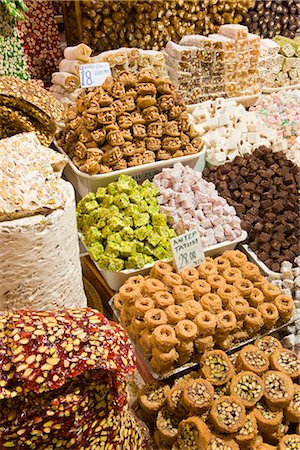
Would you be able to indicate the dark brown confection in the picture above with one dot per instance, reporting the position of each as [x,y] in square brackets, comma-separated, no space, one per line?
[263,188]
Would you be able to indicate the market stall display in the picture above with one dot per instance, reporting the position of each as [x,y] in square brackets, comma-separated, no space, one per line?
[228,130]
[280,111]
[63,382]
[174,317]
[127,122]
[39,254]
[40,39]
[27,106]
[251,403]
[279,63]
[105,25]
[130,60]
[263,188]
[122,227]
[269,18]
[219,65]
[190,202]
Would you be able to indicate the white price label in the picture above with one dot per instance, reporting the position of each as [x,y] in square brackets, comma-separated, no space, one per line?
[187,250]
[92,75]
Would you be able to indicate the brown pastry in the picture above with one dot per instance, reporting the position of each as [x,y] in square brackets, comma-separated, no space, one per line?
[252,359]
[193,434]
[228,414]
[198,395]
[279,389]
[287,362]
[153,396]
[248,387]
[216,367]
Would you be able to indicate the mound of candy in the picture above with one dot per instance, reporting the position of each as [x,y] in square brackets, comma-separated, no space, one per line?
[128,121]
[122,226]
[191,202]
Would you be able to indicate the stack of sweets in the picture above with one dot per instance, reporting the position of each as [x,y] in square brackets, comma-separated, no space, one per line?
[279,62]
[133,60]
[184,67]
[66,83]
[218,65]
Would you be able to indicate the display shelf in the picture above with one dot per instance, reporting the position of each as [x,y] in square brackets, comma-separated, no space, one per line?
[290,87]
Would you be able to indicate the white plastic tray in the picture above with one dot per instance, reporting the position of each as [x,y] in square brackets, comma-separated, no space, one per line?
[116,279]
[246,100]
[84,183]
[254,258]
[266,90]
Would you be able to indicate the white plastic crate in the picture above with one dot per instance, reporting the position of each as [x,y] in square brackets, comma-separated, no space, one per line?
[84,183]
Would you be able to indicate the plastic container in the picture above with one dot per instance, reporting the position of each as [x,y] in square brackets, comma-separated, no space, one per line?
[84,183]
[193,364]
[246,100]
[116,279]
[266,90]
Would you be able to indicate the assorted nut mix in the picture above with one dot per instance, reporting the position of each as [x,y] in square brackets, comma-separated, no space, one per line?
[263,188]
[174,317]
[251,412]
[128,121]
[63,382]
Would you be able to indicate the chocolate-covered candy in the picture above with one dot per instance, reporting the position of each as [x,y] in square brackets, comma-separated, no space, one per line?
[263,188]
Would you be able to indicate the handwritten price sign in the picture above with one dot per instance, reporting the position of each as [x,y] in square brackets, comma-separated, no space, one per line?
[92,75]
[187,250]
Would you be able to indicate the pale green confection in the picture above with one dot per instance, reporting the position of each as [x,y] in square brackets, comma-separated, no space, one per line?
[127,249]
[122,225]
[131,210]
[141,233]
[101,223]
[103,261]
[105,232]
[122,200]
[107,200]
[96,251]
[148,249]
[127,233]
[153,207]
[128,221]
[139,245]
[100,193]
[141,219]
[112,249]
[115,223]
[143,206]
[115,237]
[115,265]
[136,261]
[112,188]
[158,219]
[126,184]
[161,253]
[136,196]
[154,239]
[92,235]
[148,259]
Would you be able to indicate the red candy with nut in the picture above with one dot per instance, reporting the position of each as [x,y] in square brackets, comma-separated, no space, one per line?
[62,382]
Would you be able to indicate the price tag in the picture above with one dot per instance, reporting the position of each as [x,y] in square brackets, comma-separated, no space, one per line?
[187,250]
[92,75]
